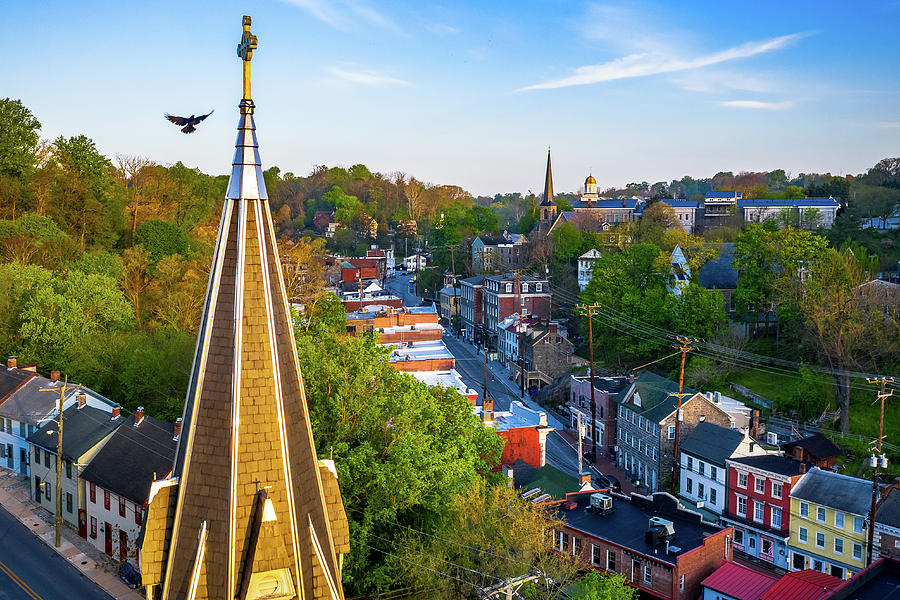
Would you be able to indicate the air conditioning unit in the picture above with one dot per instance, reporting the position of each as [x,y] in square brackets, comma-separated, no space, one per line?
[601,502]
[772,438]
[666,525]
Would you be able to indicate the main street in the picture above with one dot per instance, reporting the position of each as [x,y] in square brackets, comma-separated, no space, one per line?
[30,570]
[470,365]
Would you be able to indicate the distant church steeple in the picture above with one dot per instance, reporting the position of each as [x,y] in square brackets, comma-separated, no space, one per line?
[548,206]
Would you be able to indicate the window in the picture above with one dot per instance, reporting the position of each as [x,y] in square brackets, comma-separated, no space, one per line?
[712,496]
[817,565]
[538,287]
[93,492]
[690,485]
[671,432]
[758,510]
[712,472]
[701,468]
[742,480]
[742,506]
[752,542]
[69,469]
[776,517]
[804,510]
[839,520]
[776,489]
[121,506]
[799,562]
[47,459]
[610,560]
[648,575]
[68,503]
[759,484]
[37,455]
[857,524]
[838,545]
[138,514]
[106,499]
[93,527]
[508,288]
[700,490]
[655,454]
[524,288]
[857,551]
[635,569]
[690,463]
[47,488]
[803,534]
[596,555]
[820,514]
[820,540]
[681,584]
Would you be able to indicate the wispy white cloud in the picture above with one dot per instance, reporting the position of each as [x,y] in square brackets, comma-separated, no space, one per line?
[888,125]
[366,77]
[654,63]
[714,81]
[340,13]
[757,104]
[442,29]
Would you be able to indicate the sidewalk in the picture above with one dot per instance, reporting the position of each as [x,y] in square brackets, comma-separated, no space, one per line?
[94,564]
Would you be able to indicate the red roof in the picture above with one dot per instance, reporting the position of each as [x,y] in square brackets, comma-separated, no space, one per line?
[802,585]
[739,582]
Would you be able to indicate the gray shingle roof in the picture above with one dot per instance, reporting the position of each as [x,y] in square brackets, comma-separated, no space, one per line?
[719,274]
[11,379]
[132,455]
[712,443]
[656,404]
[29,404]
[782,465]
[889,511]
[834,490]
[83,429]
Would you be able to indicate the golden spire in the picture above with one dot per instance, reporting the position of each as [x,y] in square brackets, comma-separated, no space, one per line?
[245,51]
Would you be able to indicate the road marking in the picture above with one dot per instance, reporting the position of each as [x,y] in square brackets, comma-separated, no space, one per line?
[19,582]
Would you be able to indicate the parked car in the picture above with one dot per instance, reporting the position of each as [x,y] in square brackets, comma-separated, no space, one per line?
[606,481]
[129,575]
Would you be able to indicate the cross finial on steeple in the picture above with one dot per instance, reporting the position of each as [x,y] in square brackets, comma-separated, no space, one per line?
[245,52]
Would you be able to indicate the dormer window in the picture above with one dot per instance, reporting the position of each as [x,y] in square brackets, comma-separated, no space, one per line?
[537,287]
[508,288]
[636,399]
[524,288]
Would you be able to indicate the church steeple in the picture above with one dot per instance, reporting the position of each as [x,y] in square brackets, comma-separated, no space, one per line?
[548,184]
[248,508]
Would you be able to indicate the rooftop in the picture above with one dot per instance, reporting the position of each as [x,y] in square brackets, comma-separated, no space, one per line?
[449,290]
[679,203]
[84,428]
[609,203]
[739,582]
[711,442]
[448,379]
[612,385]
[880,581]
[548,478]
[11,379]
[764,203]
[835,490]
[30,405]
[629,520]
[773,463]
[719,274]
[371,311]
[493,240]
[420,351]
[653,389]
[889,511]
[128,462]
[817,445]
[802,585]
[726,194]
[516,417]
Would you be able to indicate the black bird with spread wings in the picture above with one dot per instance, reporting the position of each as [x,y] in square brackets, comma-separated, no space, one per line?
[188,122]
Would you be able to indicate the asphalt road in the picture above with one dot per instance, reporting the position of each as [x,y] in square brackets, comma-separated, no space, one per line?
[29,570]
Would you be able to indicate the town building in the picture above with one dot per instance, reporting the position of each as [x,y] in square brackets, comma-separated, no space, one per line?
[645,428]
[815,450]
[492,253]
[878,581]
[719,205]
[28,406]
[732,581]
[416,262]
[450,303]
[759,505]
[887,525]
[354,301]
[807,584]
[612,211]
[703,472]
[687,212]
[523,430]
[85,430]
[828,523]
[249,510]
[660,549]
[603,430]
[720,275]
[808,213]
[586,264]
[470,308]
[509,340]
[548,207]
[118,481]
[548,354]
[505,295]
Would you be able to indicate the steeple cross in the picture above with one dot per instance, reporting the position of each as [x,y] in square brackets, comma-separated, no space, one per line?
[245,52]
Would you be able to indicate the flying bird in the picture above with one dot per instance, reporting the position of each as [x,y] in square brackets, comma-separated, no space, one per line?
[188,122]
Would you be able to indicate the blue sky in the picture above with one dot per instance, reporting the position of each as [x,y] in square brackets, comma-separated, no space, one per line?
[472,93]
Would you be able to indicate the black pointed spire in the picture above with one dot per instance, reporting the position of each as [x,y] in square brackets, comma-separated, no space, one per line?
[548,185]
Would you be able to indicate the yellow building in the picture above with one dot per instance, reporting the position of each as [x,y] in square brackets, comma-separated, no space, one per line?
[828,516]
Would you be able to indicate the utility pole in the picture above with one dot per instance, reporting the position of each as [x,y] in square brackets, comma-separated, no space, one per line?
[593,425]
[508,587]
[59,450]
[580,442]
[878,460]
[359,281]
[684,346]
[484,389]
[520,332]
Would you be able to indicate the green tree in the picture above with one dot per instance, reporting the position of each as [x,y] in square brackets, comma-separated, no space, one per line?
[18,138]
[597,586]
[161,238]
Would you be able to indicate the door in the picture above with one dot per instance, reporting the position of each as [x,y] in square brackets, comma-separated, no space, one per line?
[82,522]
[23,461]
[37,490]
[107,533]
[10,457]
[123,545]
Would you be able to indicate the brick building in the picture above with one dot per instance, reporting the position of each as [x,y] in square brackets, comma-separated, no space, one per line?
[645,429]
[548,354]
[603,431]
[887,525]
[815,450]
[523,430]
[759,505]
[499,299]
[660,549]
[470,306]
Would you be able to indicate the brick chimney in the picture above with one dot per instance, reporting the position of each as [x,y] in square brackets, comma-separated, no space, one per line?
[487,410]
[81,398]
[178,422]
[584,477]
[116,412]
[54,375]
[631,378]
[803,467]
[553,327]
[754,423]
[623,202]
[11,362]
[138,415]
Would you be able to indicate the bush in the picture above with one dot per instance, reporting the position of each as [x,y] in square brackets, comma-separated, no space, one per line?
[161,238]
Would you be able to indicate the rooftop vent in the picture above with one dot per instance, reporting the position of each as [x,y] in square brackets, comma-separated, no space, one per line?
[541,498]
[531,492]
[601,503]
